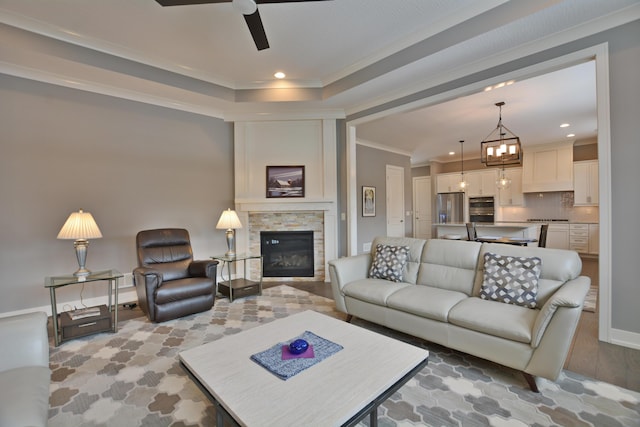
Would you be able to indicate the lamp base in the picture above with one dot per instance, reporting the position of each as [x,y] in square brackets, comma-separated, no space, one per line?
[81,253]
[231,243]
[82,272]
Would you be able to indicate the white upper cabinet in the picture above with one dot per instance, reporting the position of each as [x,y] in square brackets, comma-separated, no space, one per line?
[585,183]
[448,182]
[482,183]
[512,196]
[548,167]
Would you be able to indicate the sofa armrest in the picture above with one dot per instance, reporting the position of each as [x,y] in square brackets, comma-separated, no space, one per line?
[346,270]
[204,268]
[25,341]
[570,295]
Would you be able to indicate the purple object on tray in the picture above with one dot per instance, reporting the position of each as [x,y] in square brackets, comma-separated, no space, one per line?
[298,346]
[307,354]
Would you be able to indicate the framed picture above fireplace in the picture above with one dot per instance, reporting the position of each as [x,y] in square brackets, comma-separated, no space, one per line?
[368,201]
[285,181]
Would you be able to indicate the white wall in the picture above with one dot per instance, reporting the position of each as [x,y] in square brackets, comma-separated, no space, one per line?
[133,166]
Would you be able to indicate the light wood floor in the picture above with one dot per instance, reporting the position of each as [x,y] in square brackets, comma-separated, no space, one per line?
[587,356]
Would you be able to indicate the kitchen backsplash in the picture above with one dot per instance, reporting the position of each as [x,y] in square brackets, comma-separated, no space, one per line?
[554,205]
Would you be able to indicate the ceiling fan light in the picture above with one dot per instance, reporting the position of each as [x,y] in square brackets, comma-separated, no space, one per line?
[246,7]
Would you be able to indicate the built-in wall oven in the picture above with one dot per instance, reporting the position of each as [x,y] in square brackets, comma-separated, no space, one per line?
[481,209]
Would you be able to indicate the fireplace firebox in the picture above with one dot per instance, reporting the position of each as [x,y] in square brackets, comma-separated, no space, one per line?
[287,253]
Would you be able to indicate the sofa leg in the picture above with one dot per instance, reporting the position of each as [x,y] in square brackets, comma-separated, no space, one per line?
[531,381]
[349,318]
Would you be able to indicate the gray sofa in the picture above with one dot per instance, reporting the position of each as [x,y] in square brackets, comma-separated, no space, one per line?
[24,370]
[438,299]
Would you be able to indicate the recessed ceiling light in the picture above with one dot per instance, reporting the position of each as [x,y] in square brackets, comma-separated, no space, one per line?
[279,75]
[565,125]
[451,153]
[571,135]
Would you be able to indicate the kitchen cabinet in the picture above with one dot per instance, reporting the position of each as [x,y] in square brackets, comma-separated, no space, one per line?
[579,238]
[558,236]
[594,239]
[548,167]
[481,183]
[448,182]
[513,195]
[584,238]
[585,183]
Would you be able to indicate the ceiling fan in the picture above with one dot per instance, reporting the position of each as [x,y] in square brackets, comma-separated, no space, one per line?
[249,8]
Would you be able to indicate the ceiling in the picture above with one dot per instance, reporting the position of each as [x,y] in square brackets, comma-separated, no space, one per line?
[341,57]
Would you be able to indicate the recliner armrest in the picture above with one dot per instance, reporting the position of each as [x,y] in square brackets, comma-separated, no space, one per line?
[204,268]
[149,276]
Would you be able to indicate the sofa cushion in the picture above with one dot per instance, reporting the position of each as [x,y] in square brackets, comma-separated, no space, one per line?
[507,321]
[512,280]
[449,264]
[425,301]
[388,262]
[375,291]
[24,396]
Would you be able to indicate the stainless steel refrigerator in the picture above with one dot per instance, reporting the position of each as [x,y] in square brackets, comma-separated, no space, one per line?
[450,207]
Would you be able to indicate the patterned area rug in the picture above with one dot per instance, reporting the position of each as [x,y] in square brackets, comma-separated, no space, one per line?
[133,378]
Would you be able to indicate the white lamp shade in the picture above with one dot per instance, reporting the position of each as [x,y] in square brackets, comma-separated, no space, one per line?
[80,226]
[229,220]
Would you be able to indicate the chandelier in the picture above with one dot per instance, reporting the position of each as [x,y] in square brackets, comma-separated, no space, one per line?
[503,149]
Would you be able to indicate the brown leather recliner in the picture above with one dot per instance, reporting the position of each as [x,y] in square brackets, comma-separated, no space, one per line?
[169,283]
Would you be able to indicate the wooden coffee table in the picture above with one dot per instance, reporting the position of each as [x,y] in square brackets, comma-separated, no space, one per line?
[338,391]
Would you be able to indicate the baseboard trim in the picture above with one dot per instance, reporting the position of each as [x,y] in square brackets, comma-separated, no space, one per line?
[625,339]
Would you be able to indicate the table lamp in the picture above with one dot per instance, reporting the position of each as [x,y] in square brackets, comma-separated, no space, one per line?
[80,226]
[229,220]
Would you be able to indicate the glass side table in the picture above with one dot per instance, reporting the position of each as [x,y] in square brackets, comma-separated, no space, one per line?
[240,287]
[112,277]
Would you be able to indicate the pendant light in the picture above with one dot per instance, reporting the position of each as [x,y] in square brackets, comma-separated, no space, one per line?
[503,181]
[463,185]
[506,150]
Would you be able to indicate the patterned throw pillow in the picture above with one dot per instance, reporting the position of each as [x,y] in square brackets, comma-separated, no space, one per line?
[389,262]
[512,280]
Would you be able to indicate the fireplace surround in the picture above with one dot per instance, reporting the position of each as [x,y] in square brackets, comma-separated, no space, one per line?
[294,221]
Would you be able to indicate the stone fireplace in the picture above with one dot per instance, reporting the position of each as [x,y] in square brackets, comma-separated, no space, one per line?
[289,221]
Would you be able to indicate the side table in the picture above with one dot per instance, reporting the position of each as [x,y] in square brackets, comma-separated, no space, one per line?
[112,277]
[240,287]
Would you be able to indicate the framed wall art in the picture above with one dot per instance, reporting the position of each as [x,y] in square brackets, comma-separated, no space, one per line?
[368,201]
[285,181]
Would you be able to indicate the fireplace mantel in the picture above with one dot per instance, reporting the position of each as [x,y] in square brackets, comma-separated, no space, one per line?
[283,205]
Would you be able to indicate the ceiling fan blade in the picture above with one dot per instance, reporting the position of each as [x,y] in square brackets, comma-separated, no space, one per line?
[188,2]
[254,22]
[284,1]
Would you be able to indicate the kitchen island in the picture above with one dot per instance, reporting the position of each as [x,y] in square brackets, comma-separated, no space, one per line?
[519,230]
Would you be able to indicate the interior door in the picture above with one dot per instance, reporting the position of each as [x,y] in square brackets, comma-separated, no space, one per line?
[395,201]
[422,207]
